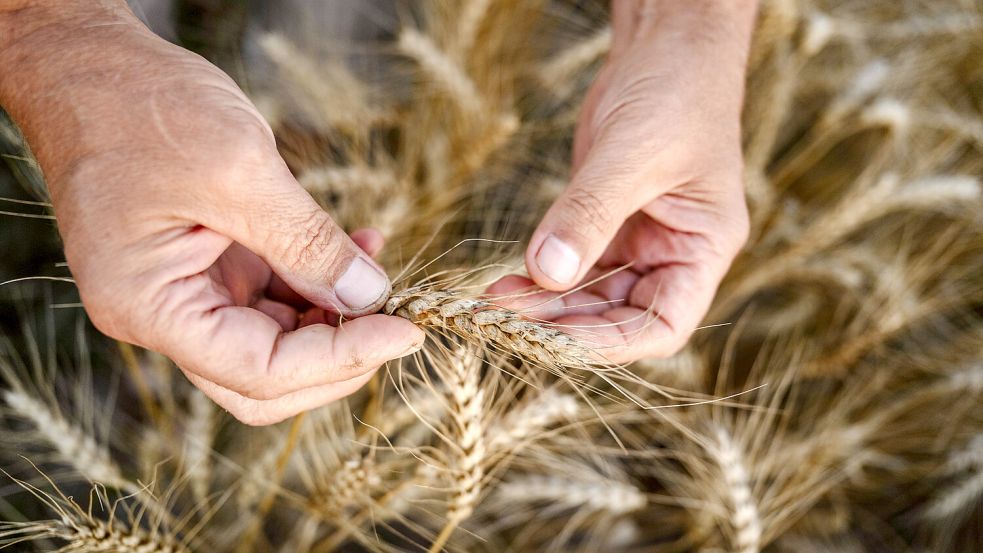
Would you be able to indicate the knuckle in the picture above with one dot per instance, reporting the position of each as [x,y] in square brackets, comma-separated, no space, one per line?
[590,208]
[313,245]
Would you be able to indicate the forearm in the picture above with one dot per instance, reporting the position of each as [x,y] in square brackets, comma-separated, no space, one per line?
[56,57]
[725,23]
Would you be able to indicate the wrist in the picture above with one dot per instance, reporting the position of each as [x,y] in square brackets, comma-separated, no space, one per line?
[724,23]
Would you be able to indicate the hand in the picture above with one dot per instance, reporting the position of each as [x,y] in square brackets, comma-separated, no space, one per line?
[657,184]
[183,227]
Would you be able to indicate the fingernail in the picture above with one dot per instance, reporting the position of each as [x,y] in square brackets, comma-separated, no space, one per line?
[558,260]
[361,285]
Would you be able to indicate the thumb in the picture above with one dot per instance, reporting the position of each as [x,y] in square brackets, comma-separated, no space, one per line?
[303,245]
[582,222]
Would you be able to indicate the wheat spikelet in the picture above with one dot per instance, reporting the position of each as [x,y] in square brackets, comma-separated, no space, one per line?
[348,485]
[745,519]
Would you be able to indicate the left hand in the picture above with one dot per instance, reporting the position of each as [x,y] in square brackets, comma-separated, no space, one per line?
[657,184]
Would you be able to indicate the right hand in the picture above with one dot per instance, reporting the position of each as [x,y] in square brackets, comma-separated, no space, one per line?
[183,227]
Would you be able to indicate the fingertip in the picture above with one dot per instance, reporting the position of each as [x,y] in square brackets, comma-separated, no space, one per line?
[554,263]
[509,284]
[385,337]
[369,239]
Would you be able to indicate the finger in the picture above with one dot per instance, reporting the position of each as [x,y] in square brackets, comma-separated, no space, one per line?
[282,313]
[248,352]
[620,335]
[369,239]
[279,291]
[612,184]
[666,307]
[680,295]
[256,412]
[521,295]
[279,221]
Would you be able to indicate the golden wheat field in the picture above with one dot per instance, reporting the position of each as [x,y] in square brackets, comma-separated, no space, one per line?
[832,402]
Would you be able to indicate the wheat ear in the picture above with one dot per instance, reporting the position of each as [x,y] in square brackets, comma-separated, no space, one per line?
[199,432]
[447,73]
[594,495]
[83,531]
[478,321]
[745,518]
[544,410]
[466,399]
[74,446]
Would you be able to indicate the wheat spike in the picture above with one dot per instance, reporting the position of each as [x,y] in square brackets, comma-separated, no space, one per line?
[447,73]
[559,73]
[530,418]
[744,512]
[332,95]
[469,24]
[479,321]
[199,432]
[466,398]
[75,446]
[84,532]
[593,495]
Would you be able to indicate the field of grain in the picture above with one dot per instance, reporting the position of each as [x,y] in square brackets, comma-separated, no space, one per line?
[833,402]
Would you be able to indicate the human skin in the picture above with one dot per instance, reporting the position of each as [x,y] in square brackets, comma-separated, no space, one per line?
[657,186]
[183,228]
[187,235]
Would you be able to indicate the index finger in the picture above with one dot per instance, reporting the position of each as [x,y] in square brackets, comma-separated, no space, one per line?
[246,351]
